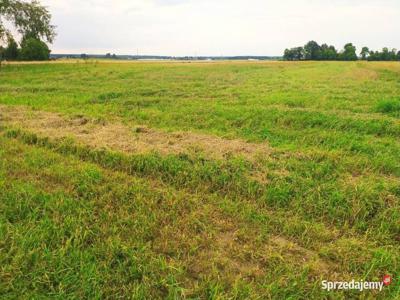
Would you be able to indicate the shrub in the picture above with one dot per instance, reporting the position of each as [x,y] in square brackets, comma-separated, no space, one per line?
[34,49]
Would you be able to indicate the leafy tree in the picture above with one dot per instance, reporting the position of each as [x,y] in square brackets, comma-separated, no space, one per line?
[332,53]
[31,19]
[33,22]
[34,49]
[327,52]
[323,51]
[371,55]
[374,55]
[385,54]
[312,51]
[393,55]
[296,53]
[398,55]
[288,54]
[364,53]
[11,51]
[349,52]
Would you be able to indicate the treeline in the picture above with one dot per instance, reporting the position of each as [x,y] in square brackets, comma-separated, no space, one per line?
[313,51]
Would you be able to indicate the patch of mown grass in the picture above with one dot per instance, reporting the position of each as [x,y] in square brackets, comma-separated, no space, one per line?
[100,233]
[181,170]
[313,186]
[78,222]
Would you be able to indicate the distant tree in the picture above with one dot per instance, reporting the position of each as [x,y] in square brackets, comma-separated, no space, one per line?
[333,53]
[114,56]
[312,51]
[84,56]
[108,55]
[287,54]
[393,55]
[11,51]
[349,52]
[364,53]
[324,52]
[373,55]
[398,55]
[327,52]
[296,53]
[34,49]
[385,54]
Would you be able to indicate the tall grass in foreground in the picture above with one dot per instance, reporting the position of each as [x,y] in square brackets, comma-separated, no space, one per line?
[84,230]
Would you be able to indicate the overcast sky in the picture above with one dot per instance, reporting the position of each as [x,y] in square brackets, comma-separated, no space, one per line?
[220,27]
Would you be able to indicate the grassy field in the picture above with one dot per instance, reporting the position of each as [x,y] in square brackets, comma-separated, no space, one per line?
[229,180]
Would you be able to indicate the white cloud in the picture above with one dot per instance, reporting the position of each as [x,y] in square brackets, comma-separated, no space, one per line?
[215,27]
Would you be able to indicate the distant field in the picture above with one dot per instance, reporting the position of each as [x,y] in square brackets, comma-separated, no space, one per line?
[222,180]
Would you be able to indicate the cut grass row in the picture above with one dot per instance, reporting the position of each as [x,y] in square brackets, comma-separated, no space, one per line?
[91,229]
[313,186]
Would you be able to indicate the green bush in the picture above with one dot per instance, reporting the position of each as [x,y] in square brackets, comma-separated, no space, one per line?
[34,49]
[388,106]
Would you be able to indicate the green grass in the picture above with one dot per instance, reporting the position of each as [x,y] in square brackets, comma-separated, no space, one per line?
[83,222]
[389,106]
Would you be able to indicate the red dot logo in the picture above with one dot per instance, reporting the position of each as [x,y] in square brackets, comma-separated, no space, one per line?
[387,280]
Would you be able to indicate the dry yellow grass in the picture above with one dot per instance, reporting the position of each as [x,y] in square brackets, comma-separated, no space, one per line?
[136,139]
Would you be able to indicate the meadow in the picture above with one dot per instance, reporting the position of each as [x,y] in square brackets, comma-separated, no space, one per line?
[189,180]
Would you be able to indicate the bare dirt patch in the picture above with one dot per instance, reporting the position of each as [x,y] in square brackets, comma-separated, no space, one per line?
[299,255]
[211,245]
[131,139]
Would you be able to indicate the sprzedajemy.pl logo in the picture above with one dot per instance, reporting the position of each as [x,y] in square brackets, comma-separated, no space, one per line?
[356,285]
